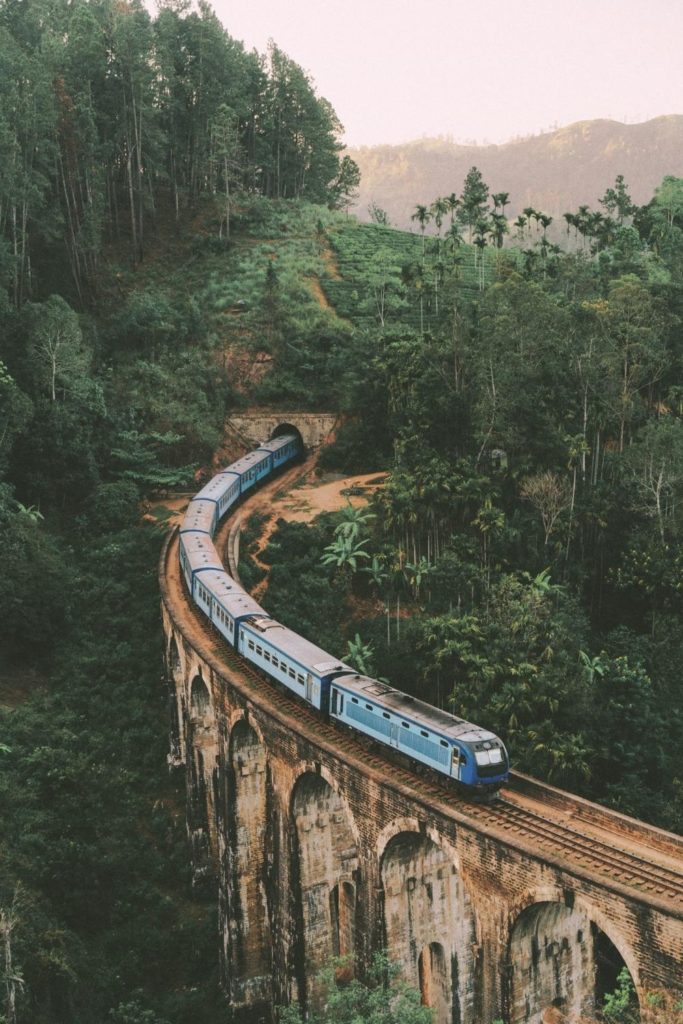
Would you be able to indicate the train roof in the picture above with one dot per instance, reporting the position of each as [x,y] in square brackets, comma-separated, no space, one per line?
[230,595]
[416,710]
[217,486]
[302,651]
[200,551]
[247,462]
[199,516]
[276,443]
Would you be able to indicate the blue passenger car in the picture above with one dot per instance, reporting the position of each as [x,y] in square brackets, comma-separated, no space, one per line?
[283,449]
[223,489]
[302,667]
[465,752]
[197,555]
[201,517]
[252,468]
[225,602]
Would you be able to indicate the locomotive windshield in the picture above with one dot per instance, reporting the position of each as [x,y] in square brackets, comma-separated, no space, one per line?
[494,756]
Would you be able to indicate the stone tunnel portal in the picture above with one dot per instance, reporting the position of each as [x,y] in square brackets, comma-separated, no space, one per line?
[287,428]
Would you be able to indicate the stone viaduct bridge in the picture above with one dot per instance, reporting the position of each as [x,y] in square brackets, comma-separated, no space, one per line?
[316,845]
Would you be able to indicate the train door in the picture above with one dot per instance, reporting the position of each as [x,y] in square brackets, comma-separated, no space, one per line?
[455,763]
[309,687]
[393,735]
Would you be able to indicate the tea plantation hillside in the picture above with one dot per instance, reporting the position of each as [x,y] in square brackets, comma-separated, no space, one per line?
[369,256]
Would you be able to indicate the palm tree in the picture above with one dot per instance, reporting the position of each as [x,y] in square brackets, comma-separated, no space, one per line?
[499,228]
[423,216]
[546,221]
[376,571]
[482,230]
[520,224]
[359,655]
[417,574]
[529,212]
[30,511]
[438,209]
[354,519]
[453,204]
[344,553]
[500,199]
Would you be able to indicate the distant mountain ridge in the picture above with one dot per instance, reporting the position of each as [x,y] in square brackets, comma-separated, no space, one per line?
[554,172]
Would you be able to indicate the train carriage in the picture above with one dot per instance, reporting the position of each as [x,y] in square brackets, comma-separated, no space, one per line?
[283,449]
[201,517]
[197,555]
[252,468]
[223,489]
[450,745]
[298,664]
[227,603]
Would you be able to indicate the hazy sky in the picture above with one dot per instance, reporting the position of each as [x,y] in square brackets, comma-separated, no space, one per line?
[396,70]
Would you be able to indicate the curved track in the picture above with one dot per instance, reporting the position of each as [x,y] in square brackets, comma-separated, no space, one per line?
[575,835]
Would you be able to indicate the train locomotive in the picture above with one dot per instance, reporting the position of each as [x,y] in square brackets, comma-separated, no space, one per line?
[474,757]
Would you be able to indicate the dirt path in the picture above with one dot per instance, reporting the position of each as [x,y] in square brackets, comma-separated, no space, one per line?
[319,294]
[297,496]
[330,262]
[305,500]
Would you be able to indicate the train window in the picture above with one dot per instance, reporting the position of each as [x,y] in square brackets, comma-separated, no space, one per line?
[292,673]
[276,663]
[443,743]
[423,732]
[266,655]
[354,700]
[251,645]
[300,679]
[259,650]
[369,707]
[405,725]
[386,714]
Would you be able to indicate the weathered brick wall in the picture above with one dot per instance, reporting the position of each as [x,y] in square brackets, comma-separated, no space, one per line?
[317,854]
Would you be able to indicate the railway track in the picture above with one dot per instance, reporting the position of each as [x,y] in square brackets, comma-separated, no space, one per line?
[628,855]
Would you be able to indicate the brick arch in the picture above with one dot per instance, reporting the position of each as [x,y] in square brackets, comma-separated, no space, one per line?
[552,956]
[174,658]
[429,923]
[175,702]
[325,878]
[201,707]
[555,894]
[236,715]
[314,768]
[202,746]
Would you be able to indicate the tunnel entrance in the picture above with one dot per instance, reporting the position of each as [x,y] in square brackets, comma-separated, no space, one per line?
[288,428]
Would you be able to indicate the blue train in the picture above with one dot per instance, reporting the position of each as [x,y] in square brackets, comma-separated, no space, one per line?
[474,757]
